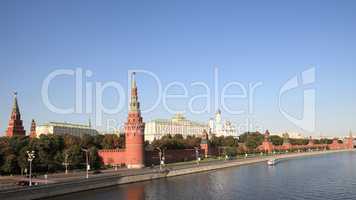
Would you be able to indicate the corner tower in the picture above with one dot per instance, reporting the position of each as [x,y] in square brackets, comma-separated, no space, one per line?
[350,141]
[204,143]
[15,127]
[266,144]
[134,131]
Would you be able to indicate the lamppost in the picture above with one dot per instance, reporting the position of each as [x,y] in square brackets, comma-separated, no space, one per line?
[161,157]
[87,161]
[197,154]
[31,156]
[66,163]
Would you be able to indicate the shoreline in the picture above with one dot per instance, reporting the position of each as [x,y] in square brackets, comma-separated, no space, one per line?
[80,185]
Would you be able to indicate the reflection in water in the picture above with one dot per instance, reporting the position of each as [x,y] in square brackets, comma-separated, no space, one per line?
[135,192]
[324,177]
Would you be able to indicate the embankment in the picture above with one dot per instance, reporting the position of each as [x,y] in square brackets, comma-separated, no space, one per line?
[55,189]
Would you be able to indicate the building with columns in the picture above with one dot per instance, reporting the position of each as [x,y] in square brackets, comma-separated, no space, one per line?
[63,128]
[177,125]
[15,127]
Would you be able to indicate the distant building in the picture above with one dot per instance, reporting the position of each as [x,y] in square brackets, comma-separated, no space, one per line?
[116,131]
[62,128]
[220,128]
[177,125]
[33,133]
[292,135]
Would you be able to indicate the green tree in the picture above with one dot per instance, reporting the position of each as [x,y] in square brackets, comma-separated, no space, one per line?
[75,156]
[251,144]
[10,164]
[22,158]
[276,140]
[86,141]
[95,160]
[252,140]
[230,141]
[49,150]
[295,141]
[231,151]
[110,141]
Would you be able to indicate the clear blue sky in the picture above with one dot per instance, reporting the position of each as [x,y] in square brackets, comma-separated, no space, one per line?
[249,41]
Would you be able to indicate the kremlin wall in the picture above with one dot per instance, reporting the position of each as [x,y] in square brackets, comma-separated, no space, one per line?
[117,157]
[135,156]
[268,147]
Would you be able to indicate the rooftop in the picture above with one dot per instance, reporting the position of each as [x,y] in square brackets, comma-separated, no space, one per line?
[178,119]
[66,124]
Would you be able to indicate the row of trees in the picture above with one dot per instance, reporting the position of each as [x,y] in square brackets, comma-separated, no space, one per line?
[52,151]
[246,143]
[226,144]
[176,142]
[249,140]
[189,142]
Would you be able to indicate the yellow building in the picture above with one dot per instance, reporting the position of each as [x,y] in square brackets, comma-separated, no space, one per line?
[177,125]
[62,128]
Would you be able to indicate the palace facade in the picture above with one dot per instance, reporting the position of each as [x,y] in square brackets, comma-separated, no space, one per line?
[63,128]
[156,129]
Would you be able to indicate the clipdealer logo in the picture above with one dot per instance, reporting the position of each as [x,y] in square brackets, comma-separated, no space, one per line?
[307,79]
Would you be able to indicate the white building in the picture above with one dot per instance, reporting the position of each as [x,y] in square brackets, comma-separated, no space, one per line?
[293,135]
[177,125]
[62,128]
[220,128]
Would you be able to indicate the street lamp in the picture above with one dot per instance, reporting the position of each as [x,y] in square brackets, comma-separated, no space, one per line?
[87,161]
[31,156]
[197,154]
[66,163]
[161,157]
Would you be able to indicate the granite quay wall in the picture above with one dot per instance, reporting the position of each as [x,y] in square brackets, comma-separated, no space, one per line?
[55,189]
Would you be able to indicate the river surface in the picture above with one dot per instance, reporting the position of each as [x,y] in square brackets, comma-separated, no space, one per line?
[321,177]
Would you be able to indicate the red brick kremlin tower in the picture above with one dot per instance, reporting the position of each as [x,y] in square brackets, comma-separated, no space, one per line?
[350,141]
[33,129]
[267,145]
[15,127]
[204,144]
[134,131]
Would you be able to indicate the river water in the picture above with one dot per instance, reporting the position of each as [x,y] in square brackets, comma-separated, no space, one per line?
[322,177]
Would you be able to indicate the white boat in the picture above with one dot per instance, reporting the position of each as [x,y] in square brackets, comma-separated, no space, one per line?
[272,162]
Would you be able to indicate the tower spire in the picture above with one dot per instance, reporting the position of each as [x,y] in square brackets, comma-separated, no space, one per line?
[134,104]
[133,80]
[15,107]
